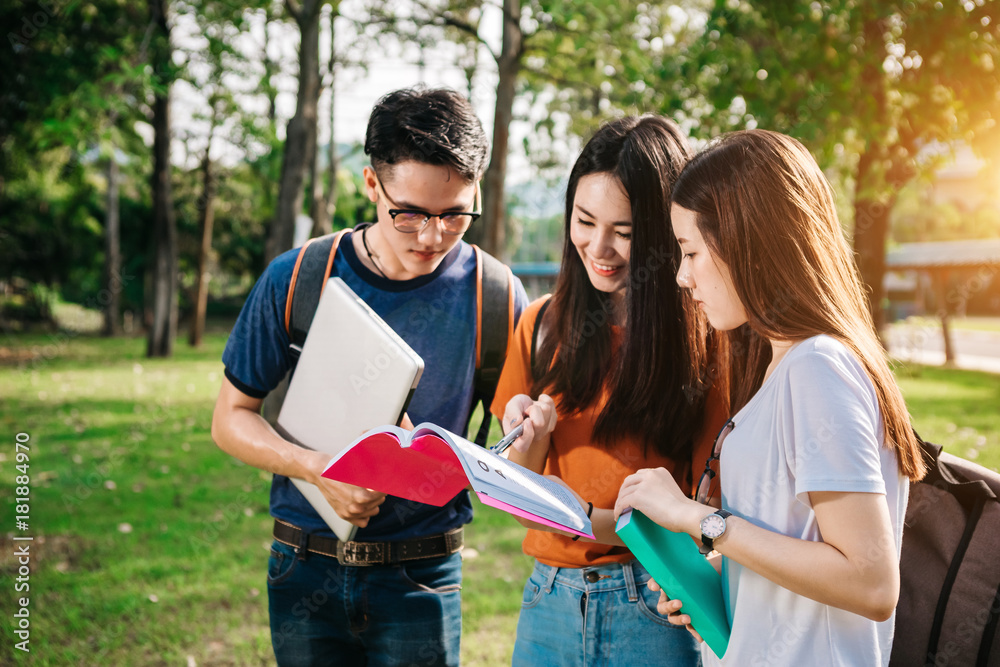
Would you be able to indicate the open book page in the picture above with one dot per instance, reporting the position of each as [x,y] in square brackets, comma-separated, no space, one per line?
[517,511]
[431,465]
[505,481]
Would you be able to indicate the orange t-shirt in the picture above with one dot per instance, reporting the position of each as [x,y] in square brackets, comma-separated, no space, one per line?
[591,469]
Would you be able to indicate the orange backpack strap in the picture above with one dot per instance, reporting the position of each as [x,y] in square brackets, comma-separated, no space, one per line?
[494,305]
[312,269]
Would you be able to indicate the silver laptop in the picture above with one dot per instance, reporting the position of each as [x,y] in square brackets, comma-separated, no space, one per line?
[354,373]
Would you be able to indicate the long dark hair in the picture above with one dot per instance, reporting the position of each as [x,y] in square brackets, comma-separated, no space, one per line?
[655,388]
[766,211]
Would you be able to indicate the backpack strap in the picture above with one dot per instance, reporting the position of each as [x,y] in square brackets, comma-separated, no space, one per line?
[494,304]
[312,267]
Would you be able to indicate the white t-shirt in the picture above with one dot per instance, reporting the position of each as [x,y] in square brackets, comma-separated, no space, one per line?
[814,425]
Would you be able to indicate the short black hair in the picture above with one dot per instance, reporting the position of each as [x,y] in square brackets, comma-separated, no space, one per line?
[435,126]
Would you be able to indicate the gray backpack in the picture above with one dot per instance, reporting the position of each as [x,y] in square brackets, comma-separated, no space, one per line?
[949,599]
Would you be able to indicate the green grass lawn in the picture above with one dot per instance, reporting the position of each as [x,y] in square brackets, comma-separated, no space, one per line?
[954,408]
[151,544]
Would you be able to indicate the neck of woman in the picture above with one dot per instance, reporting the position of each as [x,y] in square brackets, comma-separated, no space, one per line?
[779,348]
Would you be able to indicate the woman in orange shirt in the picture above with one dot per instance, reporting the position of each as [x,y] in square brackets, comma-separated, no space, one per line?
[615,378]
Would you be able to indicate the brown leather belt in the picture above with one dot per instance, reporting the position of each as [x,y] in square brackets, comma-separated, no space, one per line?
[369,553]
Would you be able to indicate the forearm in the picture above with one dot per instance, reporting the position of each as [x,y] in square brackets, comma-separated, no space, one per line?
[245,435]
[603,522]
[867,585]
[240,431]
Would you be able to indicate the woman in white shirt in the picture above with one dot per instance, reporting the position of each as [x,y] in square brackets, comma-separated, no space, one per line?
[817,457]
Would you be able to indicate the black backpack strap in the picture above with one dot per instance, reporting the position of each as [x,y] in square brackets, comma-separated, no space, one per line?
[494,305]
[312,268]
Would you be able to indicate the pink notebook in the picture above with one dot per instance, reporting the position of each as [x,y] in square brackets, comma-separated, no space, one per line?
[431,465]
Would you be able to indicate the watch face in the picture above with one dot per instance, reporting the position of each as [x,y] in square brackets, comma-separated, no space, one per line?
[713,526]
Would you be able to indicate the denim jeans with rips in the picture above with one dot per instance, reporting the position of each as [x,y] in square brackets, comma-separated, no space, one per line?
[325,613]
[600,615]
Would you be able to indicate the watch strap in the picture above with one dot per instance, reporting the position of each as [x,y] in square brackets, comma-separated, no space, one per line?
[708,542]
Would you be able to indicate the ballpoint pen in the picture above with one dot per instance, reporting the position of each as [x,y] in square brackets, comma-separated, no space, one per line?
[508,439]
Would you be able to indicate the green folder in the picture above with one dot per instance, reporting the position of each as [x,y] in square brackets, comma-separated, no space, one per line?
[682,572]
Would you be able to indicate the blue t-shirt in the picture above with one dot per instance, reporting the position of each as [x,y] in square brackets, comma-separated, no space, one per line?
[435,314]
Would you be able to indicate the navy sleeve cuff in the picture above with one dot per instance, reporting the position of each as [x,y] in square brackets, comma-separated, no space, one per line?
[246,389]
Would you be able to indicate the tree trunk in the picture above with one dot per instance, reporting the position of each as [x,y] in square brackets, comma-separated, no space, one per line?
[270,69]
[325,202]
[164,325]
[332,160]
[940,279]
[207,215]
[112,253]
[315,188]
[300,141]
[871,211]
[493,232]
[871,226]
[949,346]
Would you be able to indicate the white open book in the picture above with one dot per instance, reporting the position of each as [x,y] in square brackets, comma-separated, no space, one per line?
[430,465]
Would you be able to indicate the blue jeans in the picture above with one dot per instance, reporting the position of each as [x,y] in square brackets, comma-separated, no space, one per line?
[601,615]
[325,613]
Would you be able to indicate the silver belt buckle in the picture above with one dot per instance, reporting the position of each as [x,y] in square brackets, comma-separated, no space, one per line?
[359,553]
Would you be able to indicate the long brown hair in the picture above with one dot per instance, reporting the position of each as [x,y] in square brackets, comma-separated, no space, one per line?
[766,210]
[654,381]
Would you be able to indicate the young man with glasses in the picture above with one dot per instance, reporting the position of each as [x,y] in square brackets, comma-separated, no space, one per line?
[428,153]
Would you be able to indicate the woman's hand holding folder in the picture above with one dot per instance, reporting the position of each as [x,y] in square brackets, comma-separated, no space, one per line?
[671,609]
[655,493]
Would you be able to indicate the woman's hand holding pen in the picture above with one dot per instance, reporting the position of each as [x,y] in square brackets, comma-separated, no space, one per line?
[539,419]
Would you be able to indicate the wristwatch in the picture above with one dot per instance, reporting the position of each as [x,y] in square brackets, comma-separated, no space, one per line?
[713,527]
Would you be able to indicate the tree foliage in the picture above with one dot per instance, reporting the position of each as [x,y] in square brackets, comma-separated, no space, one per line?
[57,117]
[881,91]
[555,54]
[881,88]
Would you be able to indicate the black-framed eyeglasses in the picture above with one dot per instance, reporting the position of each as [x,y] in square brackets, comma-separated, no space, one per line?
[411,221]
[707,486]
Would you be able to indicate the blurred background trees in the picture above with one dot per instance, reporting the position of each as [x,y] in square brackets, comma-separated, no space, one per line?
[881,91]
[154,155]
